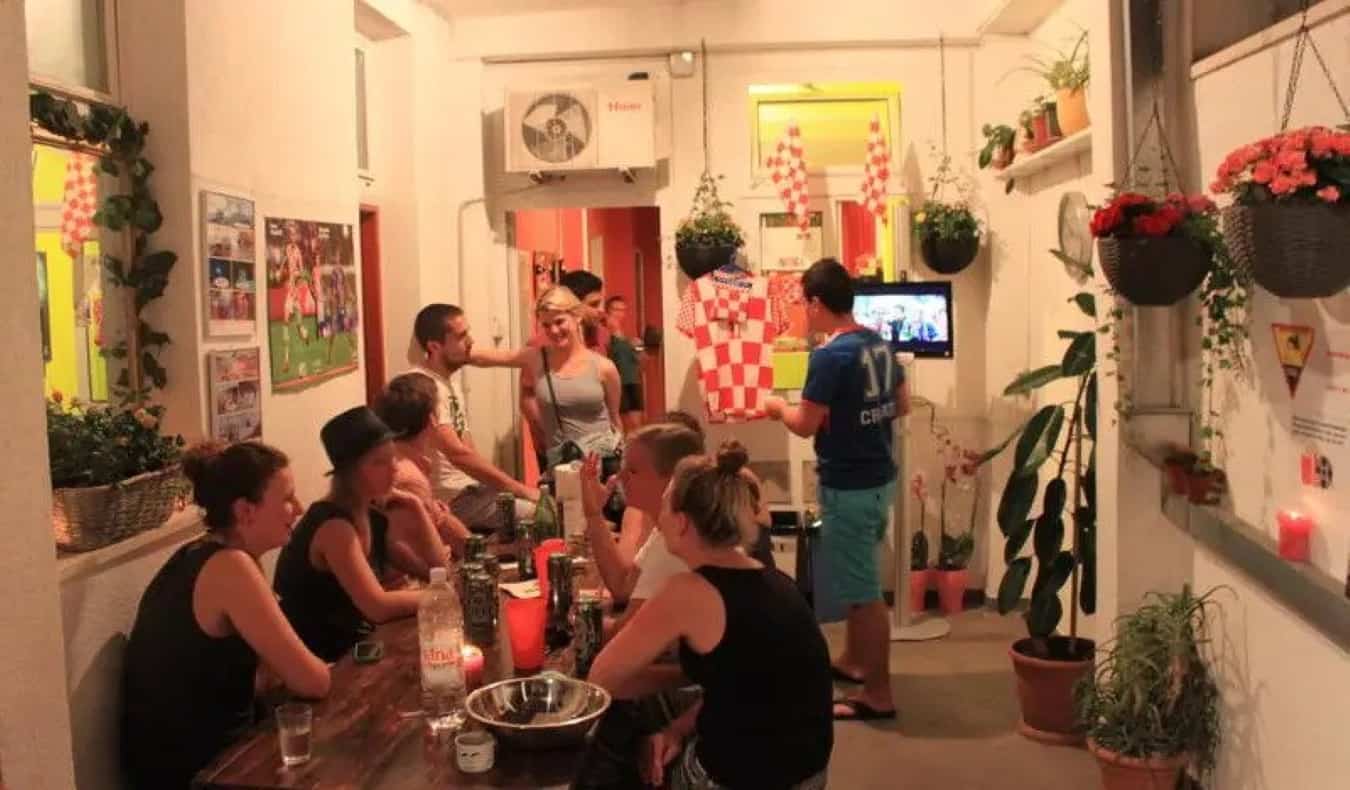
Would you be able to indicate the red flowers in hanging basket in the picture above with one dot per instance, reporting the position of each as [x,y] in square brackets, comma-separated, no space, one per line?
[1155,252]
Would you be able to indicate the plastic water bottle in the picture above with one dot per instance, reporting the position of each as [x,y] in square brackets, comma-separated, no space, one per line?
[440,629]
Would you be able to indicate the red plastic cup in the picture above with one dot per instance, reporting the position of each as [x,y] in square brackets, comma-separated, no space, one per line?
[541,554]
[525,627]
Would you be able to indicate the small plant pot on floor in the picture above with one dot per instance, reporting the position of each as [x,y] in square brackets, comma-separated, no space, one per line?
[1045,687]
[1135,773]
[919,582]
[952,590]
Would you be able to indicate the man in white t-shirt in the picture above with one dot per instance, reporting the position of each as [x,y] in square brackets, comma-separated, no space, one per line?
[462,477]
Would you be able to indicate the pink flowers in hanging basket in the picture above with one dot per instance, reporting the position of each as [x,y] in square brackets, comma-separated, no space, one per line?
[1130,215]
[1310,164]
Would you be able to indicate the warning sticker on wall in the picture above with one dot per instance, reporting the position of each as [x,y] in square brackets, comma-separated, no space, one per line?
[1294,345]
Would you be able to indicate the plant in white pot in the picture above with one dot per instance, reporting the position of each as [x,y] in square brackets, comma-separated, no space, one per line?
[1152,706]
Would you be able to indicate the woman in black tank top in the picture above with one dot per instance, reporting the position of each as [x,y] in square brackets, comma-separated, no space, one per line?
[745,635]
[207,620]
[328,575]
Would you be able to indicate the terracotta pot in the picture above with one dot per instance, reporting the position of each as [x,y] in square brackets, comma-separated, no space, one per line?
[1178,471]
[919,582]
[1204,488]
[1045,688]
[1072,109]
[952,590]
[1134,773]
[1040,128]
[1052,122]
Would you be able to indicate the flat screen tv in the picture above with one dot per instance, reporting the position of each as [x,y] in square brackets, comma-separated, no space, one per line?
[915,317]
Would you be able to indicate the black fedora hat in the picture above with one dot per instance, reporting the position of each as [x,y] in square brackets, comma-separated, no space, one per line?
[351,435]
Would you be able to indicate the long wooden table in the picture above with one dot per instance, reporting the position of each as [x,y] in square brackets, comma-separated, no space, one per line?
[369,734]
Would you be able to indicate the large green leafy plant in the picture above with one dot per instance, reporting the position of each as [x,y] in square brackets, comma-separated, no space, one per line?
[146,273]
[1153,693]
[1062,436]
[95,445]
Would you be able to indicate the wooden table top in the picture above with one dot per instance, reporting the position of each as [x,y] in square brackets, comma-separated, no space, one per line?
[363,737]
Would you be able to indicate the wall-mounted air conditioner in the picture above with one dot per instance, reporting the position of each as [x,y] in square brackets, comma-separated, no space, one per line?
[605,127]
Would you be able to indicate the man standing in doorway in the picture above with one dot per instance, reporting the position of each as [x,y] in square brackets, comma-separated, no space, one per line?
[624,355]
[854,390]
[462,477]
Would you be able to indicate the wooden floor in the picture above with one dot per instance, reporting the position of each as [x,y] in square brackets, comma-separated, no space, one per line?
[957,723]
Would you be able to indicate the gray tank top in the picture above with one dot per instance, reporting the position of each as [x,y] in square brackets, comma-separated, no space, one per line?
[580,414]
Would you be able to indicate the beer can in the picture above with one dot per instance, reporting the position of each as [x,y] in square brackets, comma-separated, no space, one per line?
[465,570]
[480,598]
[558,627]
[525,541]
[493,567]
[475,548]
[589,633]
[506,514]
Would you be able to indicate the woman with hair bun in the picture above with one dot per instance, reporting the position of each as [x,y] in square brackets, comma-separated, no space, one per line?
[745,635]
[208,626]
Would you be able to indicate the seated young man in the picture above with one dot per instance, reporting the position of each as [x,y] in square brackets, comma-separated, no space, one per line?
[460,476]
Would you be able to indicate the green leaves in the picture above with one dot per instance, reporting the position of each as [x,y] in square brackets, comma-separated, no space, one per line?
[1044,615]
[1017,538]
[1048,538]
[1085,522]
[1015,504]
[1090,407]
[1086,302]
[1013,583]
[1034,379]
[1081,355]
[1038,440]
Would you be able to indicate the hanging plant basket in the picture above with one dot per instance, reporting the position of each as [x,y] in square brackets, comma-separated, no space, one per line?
[90,518]
[1153,271]
[949,256]
[697,260]
[1294,251]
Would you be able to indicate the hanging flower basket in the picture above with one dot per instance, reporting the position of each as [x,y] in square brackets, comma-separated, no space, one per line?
[1150,249]
[949,256]
[697,260]
[1294,251]
[90,518]
[1153,272]
[1289,225]
[949,235]
[708,238]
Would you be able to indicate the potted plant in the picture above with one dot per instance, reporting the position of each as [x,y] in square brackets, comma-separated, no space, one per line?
[1026,121]
[1289,224]
[1048,664]
[113,473]
[920,575]
[961,470]
[1156,252]
[1052,122]
[1068,75]
[1152,705]
[949,234]
[708,238]
[1040,124]
[953,576]
[998,150]
[1178,466]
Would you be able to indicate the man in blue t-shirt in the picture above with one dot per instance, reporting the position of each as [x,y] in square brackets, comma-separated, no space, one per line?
[854,390]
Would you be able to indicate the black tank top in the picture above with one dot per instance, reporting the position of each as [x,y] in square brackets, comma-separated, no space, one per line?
[186,694]
[767,718]
[322,613]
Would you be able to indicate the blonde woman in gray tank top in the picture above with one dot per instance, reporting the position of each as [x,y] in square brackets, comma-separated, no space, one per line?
[582,403]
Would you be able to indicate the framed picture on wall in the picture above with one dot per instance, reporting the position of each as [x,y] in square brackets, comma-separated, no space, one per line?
[784,246]
[235,389]
[230,258]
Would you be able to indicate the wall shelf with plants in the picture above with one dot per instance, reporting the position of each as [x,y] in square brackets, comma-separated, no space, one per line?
[1053,154]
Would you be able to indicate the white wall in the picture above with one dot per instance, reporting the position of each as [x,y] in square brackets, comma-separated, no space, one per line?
[34,720]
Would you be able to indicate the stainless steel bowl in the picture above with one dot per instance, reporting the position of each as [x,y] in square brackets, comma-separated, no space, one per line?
[546,711]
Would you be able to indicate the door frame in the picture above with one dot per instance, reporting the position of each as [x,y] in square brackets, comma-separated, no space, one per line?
[372,301]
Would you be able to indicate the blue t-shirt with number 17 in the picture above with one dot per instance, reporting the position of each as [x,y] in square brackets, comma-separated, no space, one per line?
[855,375]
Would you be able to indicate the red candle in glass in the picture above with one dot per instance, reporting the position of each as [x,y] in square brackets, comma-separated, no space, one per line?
[473,667]
[1295,528]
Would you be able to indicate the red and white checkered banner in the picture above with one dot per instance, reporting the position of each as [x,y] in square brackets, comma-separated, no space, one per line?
[876,172]
[788,170]
[79,203]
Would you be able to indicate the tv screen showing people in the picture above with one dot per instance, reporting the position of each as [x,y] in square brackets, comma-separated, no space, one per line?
[912,317]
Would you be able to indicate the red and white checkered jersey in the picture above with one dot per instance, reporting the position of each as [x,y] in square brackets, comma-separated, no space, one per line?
[733,320]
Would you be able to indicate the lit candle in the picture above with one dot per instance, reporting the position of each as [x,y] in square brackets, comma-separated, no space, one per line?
[473,666]
[1295,528]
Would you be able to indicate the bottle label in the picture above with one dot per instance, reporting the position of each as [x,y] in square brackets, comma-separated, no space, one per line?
[441,660]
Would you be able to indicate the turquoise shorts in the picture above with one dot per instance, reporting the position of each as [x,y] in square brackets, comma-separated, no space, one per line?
[854,527]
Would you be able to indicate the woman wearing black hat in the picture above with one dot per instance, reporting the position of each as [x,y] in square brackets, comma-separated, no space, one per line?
[328,575]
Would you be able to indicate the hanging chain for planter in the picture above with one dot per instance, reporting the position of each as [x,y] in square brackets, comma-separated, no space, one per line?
[1303,42]
[703,53]
[1153,124]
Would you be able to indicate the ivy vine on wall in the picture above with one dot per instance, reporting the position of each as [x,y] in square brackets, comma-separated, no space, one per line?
[122,141]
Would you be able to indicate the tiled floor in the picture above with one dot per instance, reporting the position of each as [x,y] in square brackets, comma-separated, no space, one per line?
[957,724]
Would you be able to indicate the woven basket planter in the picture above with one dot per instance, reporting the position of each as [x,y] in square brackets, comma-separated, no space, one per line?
[1153,271]
[1293,251]
[948,256]
[90,518]
[697,260]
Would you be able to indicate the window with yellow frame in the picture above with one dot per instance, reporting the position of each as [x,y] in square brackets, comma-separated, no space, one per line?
[833,117]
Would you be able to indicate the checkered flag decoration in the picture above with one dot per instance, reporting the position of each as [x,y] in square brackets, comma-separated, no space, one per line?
[876,171]
[788,170]
[78,203]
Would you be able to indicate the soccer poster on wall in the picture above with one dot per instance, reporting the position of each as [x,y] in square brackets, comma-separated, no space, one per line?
[231,265]
[312,313]
[235,379]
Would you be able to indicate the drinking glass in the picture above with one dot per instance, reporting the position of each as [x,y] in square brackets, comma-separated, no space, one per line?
[295,722]
[525,626]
